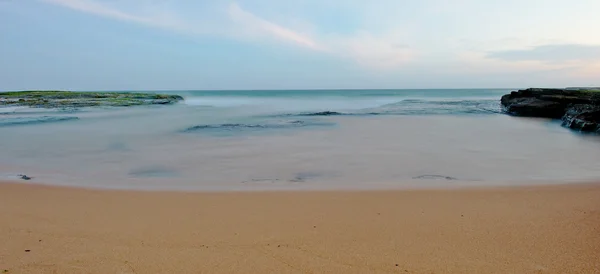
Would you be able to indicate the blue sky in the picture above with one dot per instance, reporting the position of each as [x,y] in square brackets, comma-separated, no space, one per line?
[303,44]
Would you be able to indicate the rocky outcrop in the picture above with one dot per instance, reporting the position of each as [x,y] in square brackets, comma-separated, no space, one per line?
[583,117]
[578,109]
[323,113]
[67,99]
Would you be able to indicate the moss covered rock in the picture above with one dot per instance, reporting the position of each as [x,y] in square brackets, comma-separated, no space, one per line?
[66,99]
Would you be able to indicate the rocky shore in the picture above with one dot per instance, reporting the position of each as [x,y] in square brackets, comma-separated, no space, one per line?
[579,109]
[68,99]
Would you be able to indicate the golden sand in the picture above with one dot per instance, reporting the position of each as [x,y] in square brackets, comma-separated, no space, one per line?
[550,229]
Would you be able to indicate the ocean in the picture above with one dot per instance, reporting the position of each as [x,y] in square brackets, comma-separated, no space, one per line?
[295,140]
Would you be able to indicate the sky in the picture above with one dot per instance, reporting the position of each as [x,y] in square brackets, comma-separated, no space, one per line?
[301,44]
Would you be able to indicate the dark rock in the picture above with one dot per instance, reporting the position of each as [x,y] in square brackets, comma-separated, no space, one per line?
[154,171]
[324,113]
[435,177]
[583,118]
[304,176]
[24,177]
[533,107]
[579,109]
[272,181]
[162,101]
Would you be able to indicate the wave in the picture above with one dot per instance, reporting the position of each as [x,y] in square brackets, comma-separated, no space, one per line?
[35,111]
[16,121]
[246,127]
[416,107]
[449,107]
[299,104]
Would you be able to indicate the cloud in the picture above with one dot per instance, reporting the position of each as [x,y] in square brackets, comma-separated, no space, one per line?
[475,62]
[550,53]
[98,9]
[160,20]
[374,50]
[365,48]
[381,52]
[256,26]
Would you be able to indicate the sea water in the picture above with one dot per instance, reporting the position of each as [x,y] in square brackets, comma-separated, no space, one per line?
[295,140]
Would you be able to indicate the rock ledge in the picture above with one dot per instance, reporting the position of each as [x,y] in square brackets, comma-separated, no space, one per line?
[68,99]
[579,109]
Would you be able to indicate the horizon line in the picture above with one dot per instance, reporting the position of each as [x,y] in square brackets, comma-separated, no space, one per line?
[314,89]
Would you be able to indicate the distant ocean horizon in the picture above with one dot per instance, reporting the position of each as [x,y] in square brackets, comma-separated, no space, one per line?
[222,140]
[289,89]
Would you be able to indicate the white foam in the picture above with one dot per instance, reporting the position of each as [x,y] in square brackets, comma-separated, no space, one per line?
[8,110]
[293,103]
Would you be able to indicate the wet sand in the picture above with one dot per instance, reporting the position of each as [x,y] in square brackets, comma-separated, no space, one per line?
[546,229]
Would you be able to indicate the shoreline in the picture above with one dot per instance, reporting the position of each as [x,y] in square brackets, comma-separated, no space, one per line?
[525,229]
[427,185]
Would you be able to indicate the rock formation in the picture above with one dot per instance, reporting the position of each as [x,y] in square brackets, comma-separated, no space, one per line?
[578,109]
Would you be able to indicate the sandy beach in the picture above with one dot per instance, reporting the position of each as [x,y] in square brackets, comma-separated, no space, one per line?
[549,229]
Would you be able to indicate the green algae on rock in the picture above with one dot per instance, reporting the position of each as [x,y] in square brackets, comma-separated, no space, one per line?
[66,99]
